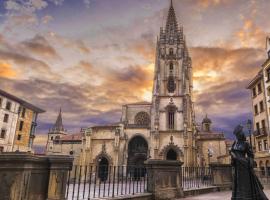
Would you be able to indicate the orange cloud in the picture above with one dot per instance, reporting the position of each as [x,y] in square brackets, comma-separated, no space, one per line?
[251,35]
[208,3]
[6,70]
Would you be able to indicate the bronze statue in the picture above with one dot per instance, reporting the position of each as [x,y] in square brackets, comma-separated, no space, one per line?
[246,185]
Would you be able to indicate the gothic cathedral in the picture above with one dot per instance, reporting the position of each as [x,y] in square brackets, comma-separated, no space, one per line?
[163,129]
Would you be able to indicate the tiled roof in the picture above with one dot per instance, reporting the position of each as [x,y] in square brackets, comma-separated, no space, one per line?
[72,137]
[21,101]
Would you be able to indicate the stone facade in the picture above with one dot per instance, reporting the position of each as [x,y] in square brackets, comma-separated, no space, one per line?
[259,88]
[161,129]
[17,123]
[212,146]
[8,122]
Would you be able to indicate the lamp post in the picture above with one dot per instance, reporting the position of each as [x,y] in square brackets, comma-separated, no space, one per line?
[249,125]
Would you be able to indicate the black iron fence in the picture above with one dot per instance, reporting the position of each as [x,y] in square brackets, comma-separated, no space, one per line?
[263,174]
[196,177]
[88,182]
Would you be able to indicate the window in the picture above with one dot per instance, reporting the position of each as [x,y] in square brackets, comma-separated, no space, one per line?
[171,51]
[8,105]
[258,127]
[263,124]
[261,106]
[259,88]
[265,145]
[171,113]
[254,92]
[171,66]
[3,133]
[268,74]
[23,113]
[1,149]
[256,109]
[142,119]
[52,138]
[259,145]
[1,102]
[21,126]
[19,137]
[6,118]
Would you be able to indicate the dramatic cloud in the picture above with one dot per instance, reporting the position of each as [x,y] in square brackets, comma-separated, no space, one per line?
[90,57]
[40,46]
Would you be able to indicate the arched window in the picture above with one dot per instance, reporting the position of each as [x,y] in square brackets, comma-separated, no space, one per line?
[171,51]
[171,117]
[171,67]
[142,118]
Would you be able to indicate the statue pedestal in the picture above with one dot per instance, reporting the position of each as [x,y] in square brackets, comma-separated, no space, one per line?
[222,175]
[164,179]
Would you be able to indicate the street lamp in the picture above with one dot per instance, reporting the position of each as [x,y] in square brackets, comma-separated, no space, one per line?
[249,126]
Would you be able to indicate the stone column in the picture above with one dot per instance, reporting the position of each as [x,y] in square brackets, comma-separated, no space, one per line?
[164,179]
[59,167]
[222,175]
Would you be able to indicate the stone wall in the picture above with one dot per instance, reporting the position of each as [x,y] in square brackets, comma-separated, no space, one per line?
[26,176]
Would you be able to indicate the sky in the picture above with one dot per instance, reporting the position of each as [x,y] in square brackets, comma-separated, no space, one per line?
[89,57]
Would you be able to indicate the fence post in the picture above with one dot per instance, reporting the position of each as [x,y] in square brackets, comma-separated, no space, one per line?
[59,167]
[222,175]
[164,179]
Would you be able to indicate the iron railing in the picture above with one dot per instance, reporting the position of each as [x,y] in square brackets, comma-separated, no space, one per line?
[196,177]
[260,132]
[263,174]
[88,182]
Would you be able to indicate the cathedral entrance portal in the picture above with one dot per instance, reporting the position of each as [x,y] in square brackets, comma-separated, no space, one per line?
[137,154]
[171,155]
[103,167]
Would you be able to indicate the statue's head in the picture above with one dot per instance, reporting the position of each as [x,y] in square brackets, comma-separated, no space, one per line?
[239,133]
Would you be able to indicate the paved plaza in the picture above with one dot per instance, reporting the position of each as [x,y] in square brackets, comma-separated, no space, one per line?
[218,195]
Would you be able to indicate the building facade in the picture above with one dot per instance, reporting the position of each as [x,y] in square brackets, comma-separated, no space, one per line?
[260,92]
[18,121]
[212,146]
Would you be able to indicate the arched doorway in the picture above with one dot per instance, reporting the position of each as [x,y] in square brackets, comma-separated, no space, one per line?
[171,155]
[103,167]
[137,154]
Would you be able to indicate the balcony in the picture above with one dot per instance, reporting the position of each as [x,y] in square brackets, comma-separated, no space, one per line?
[260,132]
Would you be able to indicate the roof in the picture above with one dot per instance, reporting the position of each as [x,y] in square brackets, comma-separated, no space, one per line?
[210,136]
[255,80]
[106,126]
[21,102]
[206,120]
[139,103]
[72,137]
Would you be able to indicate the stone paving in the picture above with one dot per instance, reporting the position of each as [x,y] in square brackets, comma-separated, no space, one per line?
[218,195]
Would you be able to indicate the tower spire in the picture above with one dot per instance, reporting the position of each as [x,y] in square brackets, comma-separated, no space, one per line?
[58,126]
[171,30]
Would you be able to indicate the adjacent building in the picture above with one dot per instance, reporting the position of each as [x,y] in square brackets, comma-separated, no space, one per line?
[259,88]
[18,121]
[61,142]
[212,146]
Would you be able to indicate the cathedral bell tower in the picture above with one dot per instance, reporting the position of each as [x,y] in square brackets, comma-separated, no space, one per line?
[172,106]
